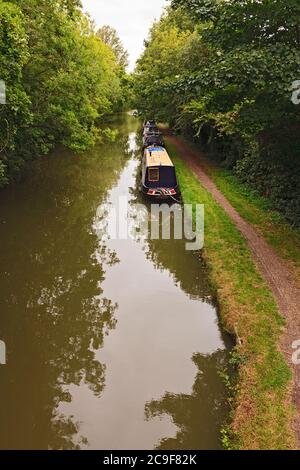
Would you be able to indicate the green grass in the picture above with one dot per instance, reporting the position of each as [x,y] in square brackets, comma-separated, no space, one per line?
[263,413]
[257,210]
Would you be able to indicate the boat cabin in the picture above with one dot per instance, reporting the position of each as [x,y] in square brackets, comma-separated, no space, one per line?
[151,122]
[150,130]
[154,139]
[158,174]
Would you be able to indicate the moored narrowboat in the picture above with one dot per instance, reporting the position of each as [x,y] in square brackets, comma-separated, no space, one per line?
[159,179]
[151,122]
[155,139]
[150,130]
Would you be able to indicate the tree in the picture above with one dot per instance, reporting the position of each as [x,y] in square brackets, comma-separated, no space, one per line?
[225,76]
[14,55]
[109,36]
[164,60]
[61,80]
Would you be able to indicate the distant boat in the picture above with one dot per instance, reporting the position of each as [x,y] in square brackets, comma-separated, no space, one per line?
[159,179]
[149,128]
[151,122]
[154,139]
[152,135]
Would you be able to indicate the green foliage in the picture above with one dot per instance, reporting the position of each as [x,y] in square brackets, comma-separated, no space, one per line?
[260,400]
[258,22]
[61,78]
[166,56]
[14,54]
[226,79]
[109,36]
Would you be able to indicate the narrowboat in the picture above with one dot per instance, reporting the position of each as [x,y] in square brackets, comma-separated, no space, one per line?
[151,122]
[154,139]
[159,179]
[150,129]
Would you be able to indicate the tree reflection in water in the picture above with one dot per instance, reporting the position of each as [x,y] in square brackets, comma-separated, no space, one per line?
[199,415]
[53,313]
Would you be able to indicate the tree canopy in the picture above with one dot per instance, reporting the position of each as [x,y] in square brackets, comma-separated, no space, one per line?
[109,36]
[223,71]
[61,81]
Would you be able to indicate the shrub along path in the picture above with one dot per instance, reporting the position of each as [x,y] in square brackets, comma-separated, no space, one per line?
[275,271]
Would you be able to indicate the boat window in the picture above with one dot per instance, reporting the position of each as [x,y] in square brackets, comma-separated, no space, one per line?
[153,175]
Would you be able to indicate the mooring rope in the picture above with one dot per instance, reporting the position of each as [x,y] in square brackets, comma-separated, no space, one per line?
[174,199]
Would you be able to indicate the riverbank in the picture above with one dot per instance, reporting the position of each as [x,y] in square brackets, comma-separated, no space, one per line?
[263,415]
[258,211]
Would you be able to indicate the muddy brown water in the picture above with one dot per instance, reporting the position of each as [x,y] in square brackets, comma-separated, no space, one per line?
[111,344]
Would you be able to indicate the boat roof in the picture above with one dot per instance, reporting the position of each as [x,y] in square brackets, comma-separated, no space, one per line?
[157,156]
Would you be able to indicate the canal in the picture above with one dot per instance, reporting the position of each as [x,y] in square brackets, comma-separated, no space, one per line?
[110,344]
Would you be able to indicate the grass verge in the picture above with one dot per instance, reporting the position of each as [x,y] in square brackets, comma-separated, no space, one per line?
[262,414]
[258,211]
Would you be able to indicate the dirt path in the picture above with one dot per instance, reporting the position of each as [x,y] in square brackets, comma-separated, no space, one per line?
[274,270]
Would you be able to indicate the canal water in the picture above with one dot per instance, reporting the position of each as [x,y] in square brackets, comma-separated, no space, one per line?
[111,344]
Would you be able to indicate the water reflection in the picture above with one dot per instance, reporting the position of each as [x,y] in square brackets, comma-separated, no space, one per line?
[54,316]
[199,415]
[97,328]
